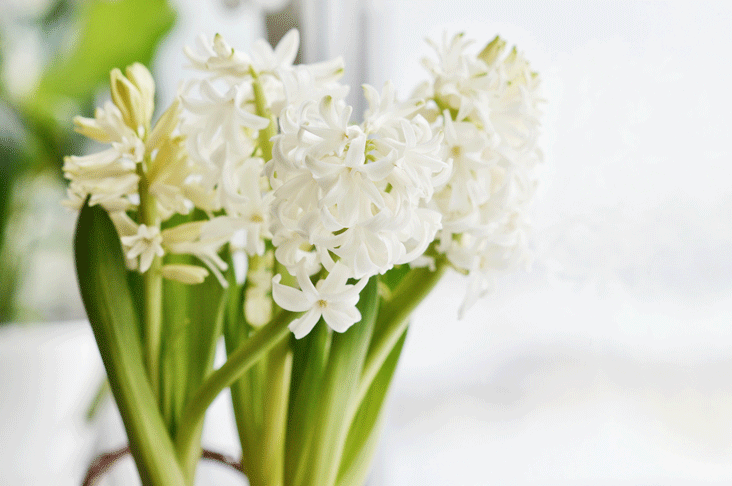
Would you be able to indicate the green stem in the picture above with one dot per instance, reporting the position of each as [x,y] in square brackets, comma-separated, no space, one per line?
[236,333]
[235,366]
[393,319]
[276,398]
[262,109]
[337,393]
[152,287]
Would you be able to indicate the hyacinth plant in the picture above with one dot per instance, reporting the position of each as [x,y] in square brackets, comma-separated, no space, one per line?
[256,210]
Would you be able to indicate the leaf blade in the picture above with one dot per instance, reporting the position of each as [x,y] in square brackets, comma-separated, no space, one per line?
[363,436]
[108,301]
[345,363]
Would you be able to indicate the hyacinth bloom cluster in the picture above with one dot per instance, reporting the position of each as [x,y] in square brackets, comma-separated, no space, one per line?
[486,108]
[268,152]
[255,208]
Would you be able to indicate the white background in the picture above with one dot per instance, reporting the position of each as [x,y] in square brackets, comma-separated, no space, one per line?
[611,362]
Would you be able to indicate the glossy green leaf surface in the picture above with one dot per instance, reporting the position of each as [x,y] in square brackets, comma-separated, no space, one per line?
[108,301]
[346,359]
[310,356]
[363,437]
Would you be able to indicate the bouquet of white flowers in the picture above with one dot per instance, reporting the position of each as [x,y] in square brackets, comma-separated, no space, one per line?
[257,210]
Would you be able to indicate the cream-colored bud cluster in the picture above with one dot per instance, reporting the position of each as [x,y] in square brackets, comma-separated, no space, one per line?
[143,166]
[111,177]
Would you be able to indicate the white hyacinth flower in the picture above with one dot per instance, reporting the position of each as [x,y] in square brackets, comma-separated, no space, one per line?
[219,58]
[488,112]
[221,117]
[351,193]
[246,202]
[332,299]
[202,239]
[145,244]
[110,175]
[449,171]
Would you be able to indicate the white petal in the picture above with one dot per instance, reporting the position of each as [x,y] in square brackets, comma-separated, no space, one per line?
[340,317]
[286,49]
[336,280]
[146,259]
[305,284]
[289,298]
[302,326]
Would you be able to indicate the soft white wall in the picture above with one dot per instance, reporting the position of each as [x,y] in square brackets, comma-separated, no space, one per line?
[609,362]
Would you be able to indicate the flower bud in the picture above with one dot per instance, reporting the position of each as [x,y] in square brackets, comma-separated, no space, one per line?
[490,53]
[187,274]
[134,95]
[164,127]
[143,80]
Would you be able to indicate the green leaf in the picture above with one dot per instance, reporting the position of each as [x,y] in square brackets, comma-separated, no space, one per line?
[395,275]
[310,356]
[174,353]
[363,437]
[207,304]
[193,323]
[238,363]
[11,162]
[345,362]
[108,301]
[394,317]
[110,34]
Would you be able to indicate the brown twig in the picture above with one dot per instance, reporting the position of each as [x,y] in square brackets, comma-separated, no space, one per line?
[103,462]
[222,459]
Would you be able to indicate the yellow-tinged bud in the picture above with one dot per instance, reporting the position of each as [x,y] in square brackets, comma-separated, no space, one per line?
[143,80]
[91,129]
[490,53]
[127,98]
[221,47]
[257,299]
[511,58]
[187,274]
[164,127]
[182,233]
[169,156]
[134,95]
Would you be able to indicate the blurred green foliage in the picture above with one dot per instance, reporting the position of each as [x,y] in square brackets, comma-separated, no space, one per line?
[86,40]
[110,34]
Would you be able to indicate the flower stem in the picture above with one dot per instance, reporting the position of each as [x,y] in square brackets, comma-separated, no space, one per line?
[276,398]
[262,109]
[393,319]
[338,390]
[152,287]
[238,363]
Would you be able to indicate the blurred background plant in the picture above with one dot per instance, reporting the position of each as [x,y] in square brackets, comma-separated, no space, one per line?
[54,57]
